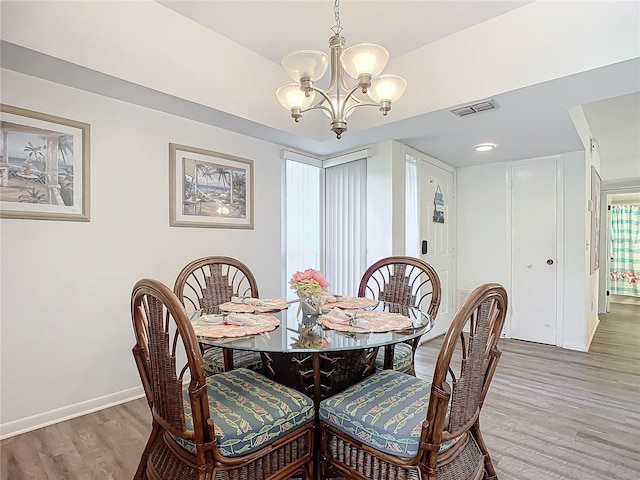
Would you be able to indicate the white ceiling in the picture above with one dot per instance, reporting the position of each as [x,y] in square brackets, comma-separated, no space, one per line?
[531,121]
[274,28]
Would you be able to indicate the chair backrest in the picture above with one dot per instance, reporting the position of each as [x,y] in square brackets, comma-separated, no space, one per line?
[210,281]
[466,364]
[167,355]
[403,280]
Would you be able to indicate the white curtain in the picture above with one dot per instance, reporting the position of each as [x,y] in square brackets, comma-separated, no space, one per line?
[302,218]
[345,225]
[411,215]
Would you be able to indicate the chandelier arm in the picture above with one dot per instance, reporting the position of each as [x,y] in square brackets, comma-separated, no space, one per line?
[350,94]
[319,104]
[353,107]
[358,103]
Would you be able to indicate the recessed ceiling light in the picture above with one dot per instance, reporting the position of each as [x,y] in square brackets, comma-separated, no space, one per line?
[484,147]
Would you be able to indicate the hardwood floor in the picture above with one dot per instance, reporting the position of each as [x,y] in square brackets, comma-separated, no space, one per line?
[559,414]
[550,414]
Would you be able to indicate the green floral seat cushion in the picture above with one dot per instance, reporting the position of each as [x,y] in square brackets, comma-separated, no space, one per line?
[384,411]
[249,411]
[214,360]
[402,357]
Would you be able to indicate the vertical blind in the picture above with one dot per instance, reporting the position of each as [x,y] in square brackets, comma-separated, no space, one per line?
[345,225]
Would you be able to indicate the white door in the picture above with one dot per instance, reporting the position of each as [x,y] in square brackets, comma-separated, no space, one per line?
[534,252]
[439,237]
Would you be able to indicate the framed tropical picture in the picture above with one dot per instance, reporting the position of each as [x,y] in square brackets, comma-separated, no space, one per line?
[209,189]
[44,166]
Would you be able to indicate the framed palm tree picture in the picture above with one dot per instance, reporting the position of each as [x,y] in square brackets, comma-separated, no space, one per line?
[44,166]
[209,189]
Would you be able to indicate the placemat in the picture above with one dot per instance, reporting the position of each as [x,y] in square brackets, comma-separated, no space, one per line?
[265,305]
[264,323]
[378,322]
[351,303]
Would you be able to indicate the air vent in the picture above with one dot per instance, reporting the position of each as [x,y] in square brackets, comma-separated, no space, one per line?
[475,108]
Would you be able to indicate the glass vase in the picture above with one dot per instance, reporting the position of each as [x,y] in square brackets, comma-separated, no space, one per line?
[310,304]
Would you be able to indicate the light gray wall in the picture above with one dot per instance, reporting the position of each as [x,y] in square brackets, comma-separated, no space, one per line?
[483,249]
[65,286]
[65,324]
[381,190]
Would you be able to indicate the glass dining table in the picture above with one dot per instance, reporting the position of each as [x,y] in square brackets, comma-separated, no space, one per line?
[315,355]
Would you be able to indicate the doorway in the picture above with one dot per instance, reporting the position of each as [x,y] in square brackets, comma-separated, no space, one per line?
[617,284]
[437,227]
[430,236]
[612,193]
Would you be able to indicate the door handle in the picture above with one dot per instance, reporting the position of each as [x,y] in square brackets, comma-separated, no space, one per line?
[550,261]
[424,247]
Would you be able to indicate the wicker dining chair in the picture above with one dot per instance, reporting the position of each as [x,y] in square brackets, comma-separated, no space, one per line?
[236,425]
[405,281]
[396,426]
[206,283]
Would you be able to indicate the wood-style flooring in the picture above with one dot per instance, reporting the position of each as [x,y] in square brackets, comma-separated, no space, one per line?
[550,414]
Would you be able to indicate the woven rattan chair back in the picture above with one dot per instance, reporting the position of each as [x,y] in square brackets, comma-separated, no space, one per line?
[450,446]
[404,281]
[206,283]
[210,281]
[463,372]
[168,359]
[167,355]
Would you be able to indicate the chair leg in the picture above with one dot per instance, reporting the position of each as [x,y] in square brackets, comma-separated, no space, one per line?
[141,472]
[308,471]
[488,465]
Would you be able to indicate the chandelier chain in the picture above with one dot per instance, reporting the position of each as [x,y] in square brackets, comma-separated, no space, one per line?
[336,10]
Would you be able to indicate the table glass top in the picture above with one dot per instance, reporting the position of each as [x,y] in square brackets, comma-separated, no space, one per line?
[298,332]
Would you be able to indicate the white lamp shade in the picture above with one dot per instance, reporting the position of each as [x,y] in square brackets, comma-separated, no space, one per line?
[364,58]
[311,64]
[387,87]
[291,96]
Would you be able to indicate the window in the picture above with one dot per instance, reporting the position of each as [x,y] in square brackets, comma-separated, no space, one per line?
[302,218]
[325,221]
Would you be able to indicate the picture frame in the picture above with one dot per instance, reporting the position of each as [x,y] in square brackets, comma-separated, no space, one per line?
[44,166]
[596,187]
[209,189]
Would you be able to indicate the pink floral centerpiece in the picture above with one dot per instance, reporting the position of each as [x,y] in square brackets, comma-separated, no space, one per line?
[309,285]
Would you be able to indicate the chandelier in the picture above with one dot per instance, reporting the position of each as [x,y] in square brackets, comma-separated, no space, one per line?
[363,62]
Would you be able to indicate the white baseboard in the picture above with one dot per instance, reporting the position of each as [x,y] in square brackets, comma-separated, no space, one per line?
[26,424]
[580,347]
[434,333]
[592,333]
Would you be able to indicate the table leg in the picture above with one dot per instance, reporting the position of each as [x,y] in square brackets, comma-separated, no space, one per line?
[227,356]
[320,375]
[388,357]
